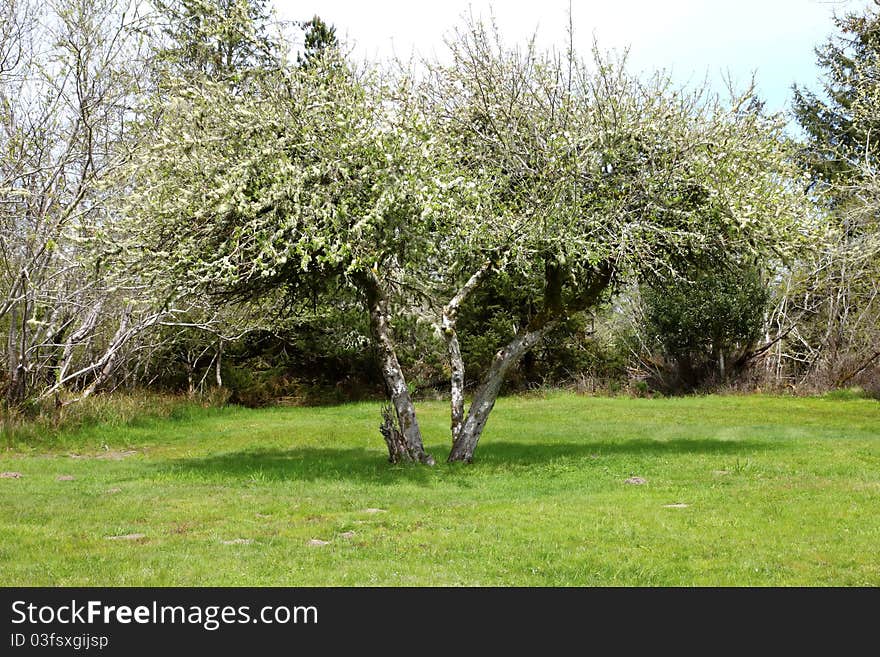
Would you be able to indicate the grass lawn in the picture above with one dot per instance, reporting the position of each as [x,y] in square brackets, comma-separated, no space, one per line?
[739,491]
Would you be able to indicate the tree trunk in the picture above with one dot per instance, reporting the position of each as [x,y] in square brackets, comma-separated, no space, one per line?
[17,392]
[398,452]
[17,389]
[453,348]
[217,367]
[406,421]
[485,396]
[456,382]
[585,296]
[12,357]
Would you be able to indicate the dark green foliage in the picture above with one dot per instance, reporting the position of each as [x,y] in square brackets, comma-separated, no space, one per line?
[835,142]
[706,323]
[503,306]
[327,358]
[491,317]
[319,36]
[320,354]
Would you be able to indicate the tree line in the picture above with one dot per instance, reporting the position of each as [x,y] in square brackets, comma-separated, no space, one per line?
[193,192]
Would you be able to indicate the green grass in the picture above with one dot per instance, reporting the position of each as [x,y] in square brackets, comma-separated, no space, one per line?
[780,491]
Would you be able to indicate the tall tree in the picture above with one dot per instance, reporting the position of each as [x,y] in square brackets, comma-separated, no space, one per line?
[220,40]
[574,174]
[68,74]
[318,38]
[836,294]
[835,148]
[588,176]
[315,175]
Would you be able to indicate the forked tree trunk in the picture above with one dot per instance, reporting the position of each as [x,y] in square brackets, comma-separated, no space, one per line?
[484,398]
[406,423]
[554,309]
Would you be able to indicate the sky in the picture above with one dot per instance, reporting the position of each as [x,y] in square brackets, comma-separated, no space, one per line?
[692,39]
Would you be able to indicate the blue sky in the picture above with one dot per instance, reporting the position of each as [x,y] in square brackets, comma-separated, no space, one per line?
[691,38]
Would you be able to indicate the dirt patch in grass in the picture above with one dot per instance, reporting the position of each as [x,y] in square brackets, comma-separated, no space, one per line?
[126,537]
[107,455]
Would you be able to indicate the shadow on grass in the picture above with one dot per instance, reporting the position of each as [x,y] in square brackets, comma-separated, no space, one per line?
[304,464]
[314,463]
[526,453]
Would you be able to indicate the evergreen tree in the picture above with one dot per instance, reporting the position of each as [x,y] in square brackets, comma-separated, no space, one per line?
[836,141]
[219,40]
[842,155]
[319,36]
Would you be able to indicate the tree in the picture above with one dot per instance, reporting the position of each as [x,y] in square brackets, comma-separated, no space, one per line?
[315,176]
[835,147]
[412,194]
[590,176]
[220,40]
[68,72]
[318,39]
[835,294]
[707,321]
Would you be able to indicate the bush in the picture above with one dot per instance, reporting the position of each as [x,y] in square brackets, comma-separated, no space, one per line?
[704,324]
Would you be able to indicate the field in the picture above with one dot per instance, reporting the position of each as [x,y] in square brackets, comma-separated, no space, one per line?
[730,490]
